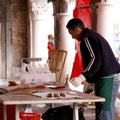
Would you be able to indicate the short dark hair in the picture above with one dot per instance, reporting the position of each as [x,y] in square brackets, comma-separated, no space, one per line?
[75,22]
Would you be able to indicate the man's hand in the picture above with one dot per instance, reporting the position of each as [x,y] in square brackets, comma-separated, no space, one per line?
[76,81]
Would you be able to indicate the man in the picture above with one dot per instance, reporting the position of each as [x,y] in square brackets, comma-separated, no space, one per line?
[99,67]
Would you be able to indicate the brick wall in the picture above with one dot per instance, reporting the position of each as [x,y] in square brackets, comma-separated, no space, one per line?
[19,30]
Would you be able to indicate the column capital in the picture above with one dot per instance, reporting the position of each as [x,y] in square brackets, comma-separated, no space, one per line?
[63,6]
[39,9]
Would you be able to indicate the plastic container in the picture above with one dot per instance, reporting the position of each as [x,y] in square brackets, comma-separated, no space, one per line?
[29,116]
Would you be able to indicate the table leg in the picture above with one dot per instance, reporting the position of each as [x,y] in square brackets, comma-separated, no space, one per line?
[75,111]
[4,112]
[17,110]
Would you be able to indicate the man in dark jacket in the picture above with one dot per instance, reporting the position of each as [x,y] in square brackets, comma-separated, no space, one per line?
[99,67]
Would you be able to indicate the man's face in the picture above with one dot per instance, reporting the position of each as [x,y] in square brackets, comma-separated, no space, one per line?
[75,33]
[72,33]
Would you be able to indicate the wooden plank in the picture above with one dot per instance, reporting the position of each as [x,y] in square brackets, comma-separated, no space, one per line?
[57,62]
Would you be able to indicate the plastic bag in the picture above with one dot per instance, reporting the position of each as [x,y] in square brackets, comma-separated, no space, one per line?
[28,109]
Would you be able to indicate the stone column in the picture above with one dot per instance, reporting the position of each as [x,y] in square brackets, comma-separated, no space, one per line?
[40,26]
[63,12]
[105,20]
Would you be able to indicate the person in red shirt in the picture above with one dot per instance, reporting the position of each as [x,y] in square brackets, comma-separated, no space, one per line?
[50,43]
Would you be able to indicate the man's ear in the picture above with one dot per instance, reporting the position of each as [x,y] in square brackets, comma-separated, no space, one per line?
[77,29]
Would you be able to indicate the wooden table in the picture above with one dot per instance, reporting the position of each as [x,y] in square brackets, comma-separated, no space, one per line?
[25,96]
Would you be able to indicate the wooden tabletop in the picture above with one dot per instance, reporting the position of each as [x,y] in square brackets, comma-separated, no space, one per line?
[29,96]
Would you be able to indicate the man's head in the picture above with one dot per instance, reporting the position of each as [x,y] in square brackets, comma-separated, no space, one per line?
[75,27]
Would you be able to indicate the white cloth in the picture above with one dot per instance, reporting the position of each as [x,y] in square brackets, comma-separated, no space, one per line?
[76,81]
